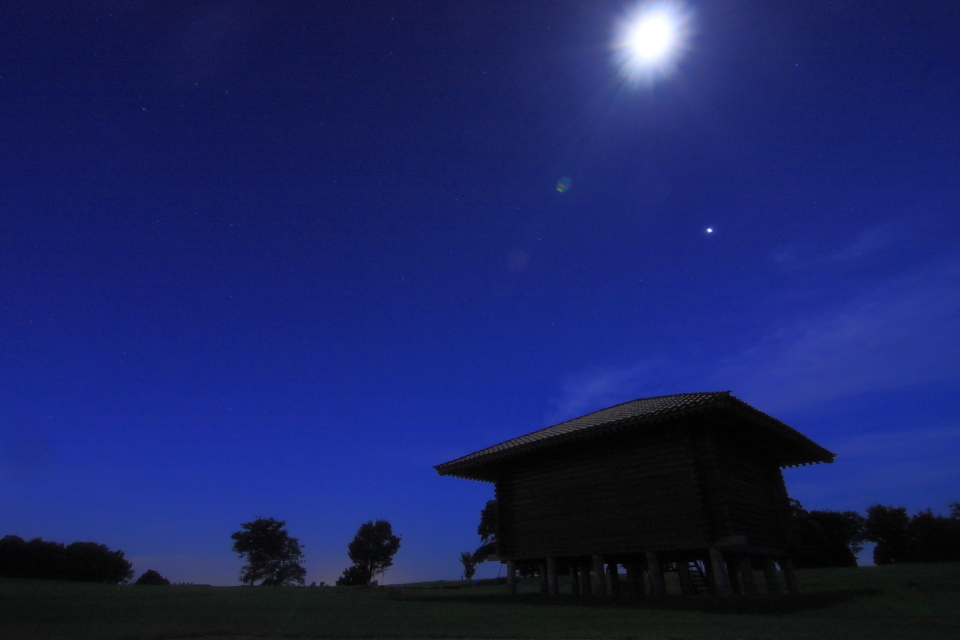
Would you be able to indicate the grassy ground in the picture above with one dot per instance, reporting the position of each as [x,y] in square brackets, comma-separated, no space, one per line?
[847,604]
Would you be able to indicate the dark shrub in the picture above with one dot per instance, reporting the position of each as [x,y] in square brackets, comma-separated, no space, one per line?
[151,577]
[80,561]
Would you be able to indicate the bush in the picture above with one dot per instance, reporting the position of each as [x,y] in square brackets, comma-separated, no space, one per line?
[354,576]
[151,577]
[45,560]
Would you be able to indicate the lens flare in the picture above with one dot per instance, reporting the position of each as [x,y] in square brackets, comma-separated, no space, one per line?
[651,39]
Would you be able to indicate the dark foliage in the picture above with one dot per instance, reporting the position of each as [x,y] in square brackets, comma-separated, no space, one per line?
[151,577]
[934,538]
[826,538]
[273,557]
[487,532]
[887,526]
[354,576]
[371,552]
[488,541]
[79,561]
[926,537]
[469,562]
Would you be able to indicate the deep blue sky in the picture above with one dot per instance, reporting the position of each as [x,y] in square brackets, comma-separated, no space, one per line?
[280,258]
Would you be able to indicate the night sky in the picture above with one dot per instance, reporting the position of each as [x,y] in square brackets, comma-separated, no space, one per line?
[280,258]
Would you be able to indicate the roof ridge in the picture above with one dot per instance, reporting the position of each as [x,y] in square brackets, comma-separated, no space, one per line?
[530,438]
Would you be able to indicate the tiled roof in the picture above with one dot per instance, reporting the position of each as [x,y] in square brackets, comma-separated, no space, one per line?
[634,413]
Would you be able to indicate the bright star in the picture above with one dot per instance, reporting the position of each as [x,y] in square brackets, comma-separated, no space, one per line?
[650,40]
[709,229]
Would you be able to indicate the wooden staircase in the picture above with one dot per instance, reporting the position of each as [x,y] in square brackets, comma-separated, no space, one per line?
[698,578]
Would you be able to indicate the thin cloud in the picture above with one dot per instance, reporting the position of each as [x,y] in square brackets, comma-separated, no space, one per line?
[900,334]
[602,387]
[869,243]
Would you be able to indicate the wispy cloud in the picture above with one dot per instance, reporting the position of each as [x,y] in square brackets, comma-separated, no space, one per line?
[604,386]
[911,467]
[901,333]
[868,243]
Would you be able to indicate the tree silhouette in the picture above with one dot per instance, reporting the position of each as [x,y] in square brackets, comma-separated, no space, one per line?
[151,577]
[889,528]
[371,552]
[487,532]
[273,557]
[469,562]
[79,561]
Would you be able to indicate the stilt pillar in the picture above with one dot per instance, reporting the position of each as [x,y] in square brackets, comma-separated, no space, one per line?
[718,571]
[657,586]
[770,575]
[686,583]
[733,571]
[746,574]
[614,572]
[511,578]
[601,578]
[574,579]
[586,580]
[553,585]
[792,587]
[635,578]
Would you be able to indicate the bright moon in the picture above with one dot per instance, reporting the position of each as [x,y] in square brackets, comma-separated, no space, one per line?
[650,39]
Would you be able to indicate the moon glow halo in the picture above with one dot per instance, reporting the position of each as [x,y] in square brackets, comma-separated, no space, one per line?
[650,39]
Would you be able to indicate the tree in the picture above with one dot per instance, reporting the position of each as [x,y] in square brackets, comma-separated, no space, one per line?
[844,529]
[825,538]
[469,562]
[354,576]
[889,528]
[47,560]
[934,538]
[487,532]
[273,557]
[371,552]
[151,577]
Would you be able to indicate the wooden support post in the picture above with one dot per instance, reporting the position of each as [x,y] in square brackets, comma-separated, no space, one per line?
[614,572]
[686,584]
[586,582]
[770,574]
[746,574]
[574,578]
[792,587]
[635,578]
[553,585]
[718,570]
[657,586]
[601,578]
[734,573]
[511,578]
[543,577]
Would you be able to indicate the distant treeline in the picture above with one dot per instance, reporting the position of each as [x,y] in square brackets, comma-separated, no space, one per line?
[79,561]
[833,538]
[819,538]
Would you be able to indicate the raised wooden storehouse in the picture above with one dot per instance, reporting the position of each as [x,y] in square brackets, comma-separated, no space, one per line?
[688,482]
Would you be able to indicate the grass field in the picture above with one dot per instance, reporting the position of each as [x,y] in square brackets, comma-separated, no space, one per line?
[847,604]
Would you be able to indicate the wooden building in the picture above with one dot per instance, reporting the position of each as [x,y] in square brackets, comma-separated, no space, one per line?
[688,482]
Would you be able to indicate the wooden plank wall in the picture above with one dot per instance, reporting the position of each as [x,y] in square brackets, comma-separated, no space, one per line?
[623,495]
[754,494]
